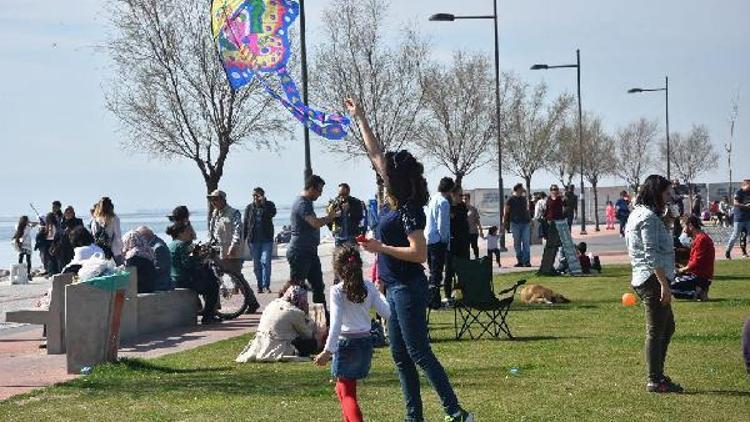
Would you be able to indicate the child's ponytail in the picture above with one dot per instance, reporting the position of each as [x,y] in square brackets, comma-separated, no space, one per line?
[347,264]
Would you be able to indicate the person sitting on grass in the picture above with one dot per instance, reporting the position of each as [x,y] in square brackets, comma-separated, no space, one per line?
[694,279]
[285,333]
[586,260]
[349,340]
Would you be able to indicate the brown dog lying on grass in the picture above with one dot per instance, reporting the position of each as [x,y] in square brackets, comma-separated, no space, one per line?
[532,294]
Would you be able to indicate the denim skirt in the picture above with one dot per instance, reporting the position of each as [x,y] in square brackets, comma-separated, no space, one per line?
[353,359]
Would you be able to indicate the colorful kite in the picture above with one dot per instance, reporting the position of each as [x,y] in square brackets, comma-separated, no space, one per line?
[253,42]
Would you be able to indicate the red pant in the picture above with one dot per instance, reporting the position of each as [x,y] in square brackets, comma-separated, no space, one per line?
[346,389]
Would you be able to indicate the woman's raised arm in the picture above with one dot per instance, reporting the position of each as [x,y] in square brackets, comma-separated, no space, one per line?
[374,152]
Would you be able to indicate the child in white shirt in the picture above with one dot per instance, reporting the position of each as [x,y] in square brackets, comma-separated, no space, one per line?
[349,340]
[493,251]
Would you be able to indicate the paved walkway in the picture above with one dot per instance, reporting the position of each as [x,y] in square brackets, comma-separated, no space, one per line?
[25,367]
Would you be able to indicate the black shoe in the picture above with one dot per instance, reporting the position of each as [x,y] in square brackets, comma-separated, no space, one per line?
[210,320]
[251,309]
[664,386]
[527,265]
[728,254]
[518,265]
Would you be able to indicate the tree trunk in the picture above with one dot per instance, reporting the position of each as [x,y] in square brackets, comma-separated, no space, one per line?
[212,184]
[459,178]
[596,206]
[528,190]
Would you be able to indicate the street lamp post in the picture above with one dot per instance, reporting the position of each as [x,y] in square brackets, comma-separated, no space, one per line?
[447,17]
[303,56]
[666,102]
[577,66]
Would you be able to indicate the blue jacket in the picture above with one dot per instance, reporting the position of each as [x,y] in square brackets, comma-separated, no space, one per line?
[438,228]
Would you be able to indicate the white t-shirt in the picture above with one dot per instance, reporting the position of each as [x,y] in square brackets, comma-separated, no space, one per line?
[540,208]
[492,242]
[348,317]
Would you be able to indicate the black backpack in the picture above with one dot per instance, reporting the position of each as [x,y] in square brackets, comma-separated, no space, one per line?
[102,240]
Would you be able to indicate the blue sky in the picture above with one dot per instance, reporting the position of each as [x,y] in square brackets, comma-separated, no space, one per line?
[58,141]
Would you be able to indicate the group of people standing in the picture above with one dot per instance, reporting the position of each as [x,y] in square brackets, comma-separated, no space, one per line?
[54,238]
[453,228]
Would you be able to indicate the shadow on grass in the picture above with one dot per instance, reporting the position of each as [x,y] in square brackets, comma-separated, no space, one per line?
[566,307]
[146,366]
[503,337]
[731,278]
[725,393]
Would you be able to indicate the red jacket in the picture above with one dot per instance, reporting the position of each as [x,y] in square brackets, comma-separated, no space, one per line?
[702,256]
[554,209]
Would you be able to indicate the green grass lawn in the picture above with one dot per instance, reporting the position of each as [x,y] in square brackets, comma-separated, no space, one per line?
[581,361]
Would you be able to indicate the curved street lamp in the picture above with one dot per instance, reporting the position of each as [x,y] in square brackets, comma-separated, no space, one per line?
[666,99]
[449,17]
[577,66]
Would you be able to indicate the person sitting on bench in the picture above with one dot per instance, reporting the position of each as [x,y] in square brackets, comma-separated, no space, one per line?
[694,279]
[188,272]
[84,248]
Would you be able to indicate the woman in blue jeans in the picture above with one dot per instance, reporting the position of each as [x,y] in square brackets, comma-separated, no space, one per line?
[402,249]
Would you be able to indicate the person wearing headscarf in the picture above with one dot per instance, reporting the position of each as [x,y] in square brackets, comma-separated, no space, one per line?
[162,259]
[138,254]
[285,332]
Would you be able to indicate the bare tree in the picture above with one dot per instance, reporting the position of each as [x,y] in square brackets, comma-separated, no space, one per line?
[567,162]
[529,128]
[692,155]
[354,59]
[597,163]
[460,114]
[171,94]
[633,152]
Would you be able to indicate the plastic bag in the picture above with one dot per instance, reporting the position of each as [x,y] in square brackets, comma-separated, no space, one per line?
[96,266]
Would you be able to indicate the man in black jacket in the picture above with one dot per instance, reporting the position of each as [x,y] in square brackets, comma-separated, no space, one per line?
[259,236]
[460,240]
[570,205]
[348,226]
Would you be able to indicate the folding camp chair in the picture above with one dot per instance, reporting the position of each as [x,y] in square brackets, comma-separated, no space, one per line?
[479,308]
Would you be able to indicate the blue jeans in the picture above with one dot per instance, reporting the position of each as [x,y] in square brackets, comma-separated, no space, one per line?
[262,252]
[436,257]
[522,241]
[738,226]
[410,346]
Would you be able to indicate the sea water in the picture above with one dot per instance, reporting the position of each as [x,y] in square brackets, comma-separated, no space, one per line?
[156,220]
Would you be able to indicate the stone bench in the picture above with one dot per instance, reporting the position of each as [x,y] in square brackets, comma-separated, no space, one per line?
[152,313]
[161,311]
[53,318]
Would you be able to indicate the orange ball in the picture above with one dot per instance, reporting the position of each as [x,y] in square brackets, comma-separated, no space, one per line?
[629,299]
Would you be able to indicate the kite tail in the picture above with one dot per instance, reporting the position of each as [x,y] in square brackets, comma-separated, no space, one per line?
[331,126]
